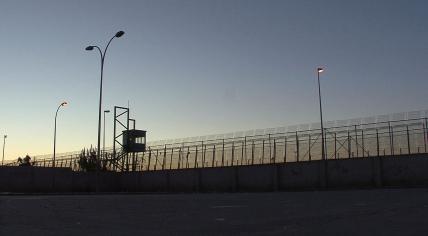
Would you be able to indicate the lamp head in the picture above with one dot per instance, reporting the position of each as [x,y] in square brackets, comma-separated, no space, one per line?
[119,34]
[64,103]
[320,69]
[107,111]
[89,48]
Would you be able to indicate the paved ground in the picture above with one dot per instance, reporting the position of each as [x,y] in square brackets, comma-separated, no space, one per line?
[362,212]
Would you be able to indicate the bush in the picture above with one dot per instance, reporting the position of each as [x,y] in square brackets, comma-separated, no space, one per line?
[26,161]
[88,160]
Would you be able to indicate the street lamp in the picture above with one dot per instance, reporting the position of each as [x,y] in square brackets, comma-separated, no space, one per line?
[90,48]
[56,114]
[4,143]
[319,71]
[104,131]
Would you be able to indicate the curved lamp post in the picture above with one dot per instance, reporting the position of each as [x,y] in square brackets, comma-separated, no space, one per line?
[102,54]
[104,131]
[4,143]
[56,114]
[319,71]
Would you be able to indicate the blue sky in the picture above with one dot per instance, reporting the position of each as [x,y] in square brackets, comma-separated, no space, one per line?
[200,67]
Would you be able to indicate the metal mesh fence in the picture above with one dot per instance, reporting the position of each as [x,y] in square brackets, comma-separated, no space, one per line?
[355,138]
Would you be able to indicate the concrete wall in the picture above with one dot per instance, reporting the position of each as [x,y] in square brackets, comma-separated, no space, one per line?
[406,170]
[43,179]
[257,178]
[218,180]
[9,181]
[35,179]
[184,180]
[153,181]
[350,172]
[299,175]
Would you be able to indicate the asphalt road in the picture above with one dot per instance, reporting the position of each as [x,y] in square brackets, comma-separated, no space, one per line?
[356,212]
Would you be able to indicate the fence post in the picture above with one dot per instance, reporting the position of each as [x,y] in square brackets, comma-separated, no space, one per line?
[285,148]
[425,135]
[196,157]
[274,150]
[297,147]
[134,161]
[309,142]
[270,150]
[377,141]
[242,153]
[156,162]
[349,145]
[203,154]
[172,153]
[263,152]
[204,149]
[164,158]
[222,155]
[325,144]
[212,165]
[356,139]
[245,149]
[252,152]
[390,138]
[182,156]
[150,157]
[362,142]
[335,145]
[126,162]
[408,140]
[233,153]
[123,163]
[187,156]
[179,157]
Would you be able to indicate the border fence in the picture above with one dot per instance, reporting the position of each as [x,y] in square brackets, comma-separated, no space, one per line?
[395,134]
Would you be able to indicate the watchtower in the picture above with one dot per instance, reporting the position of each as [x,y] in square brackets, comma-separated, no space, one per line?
[134,140]
[131,142]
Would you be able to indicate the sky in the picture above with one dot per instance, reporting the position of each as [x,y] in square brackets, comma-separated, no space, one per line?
[198,67]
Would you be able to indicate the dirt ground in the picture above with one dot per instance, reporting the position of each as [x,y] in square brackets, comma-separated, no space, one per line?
[352,212]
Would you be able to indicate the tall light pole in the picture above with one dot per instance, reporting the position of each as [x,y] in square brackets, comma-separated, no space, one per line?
[4,143]
[90,48]
[104,131]
[56,114]
[319,71]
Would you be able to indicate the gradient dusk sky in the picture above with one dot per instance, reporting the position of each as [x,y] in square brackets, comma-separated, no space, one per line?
[197,67]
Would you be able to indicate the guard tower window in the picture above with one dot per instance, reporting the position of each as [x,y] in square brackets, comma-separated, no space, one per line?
[140,140]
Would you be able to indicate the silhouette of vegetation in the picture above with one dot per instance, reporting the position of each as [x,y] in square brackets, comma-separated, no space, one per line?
[88,160]
[26,161]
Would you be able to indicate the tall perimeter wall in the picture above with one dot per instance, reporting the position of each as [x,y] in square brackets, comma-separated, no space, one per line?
[386,171]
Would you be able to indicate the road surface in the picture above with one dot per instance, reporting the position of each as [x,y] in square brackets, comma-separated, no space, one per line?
[352,212]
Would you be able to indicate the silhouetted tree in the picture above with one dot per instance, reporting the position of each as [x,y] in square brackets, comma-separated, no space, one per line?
[88,160]
[26,161]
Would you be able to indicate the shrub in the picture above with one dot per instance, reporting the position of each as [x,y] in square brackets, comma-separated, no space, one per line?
[26,161]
